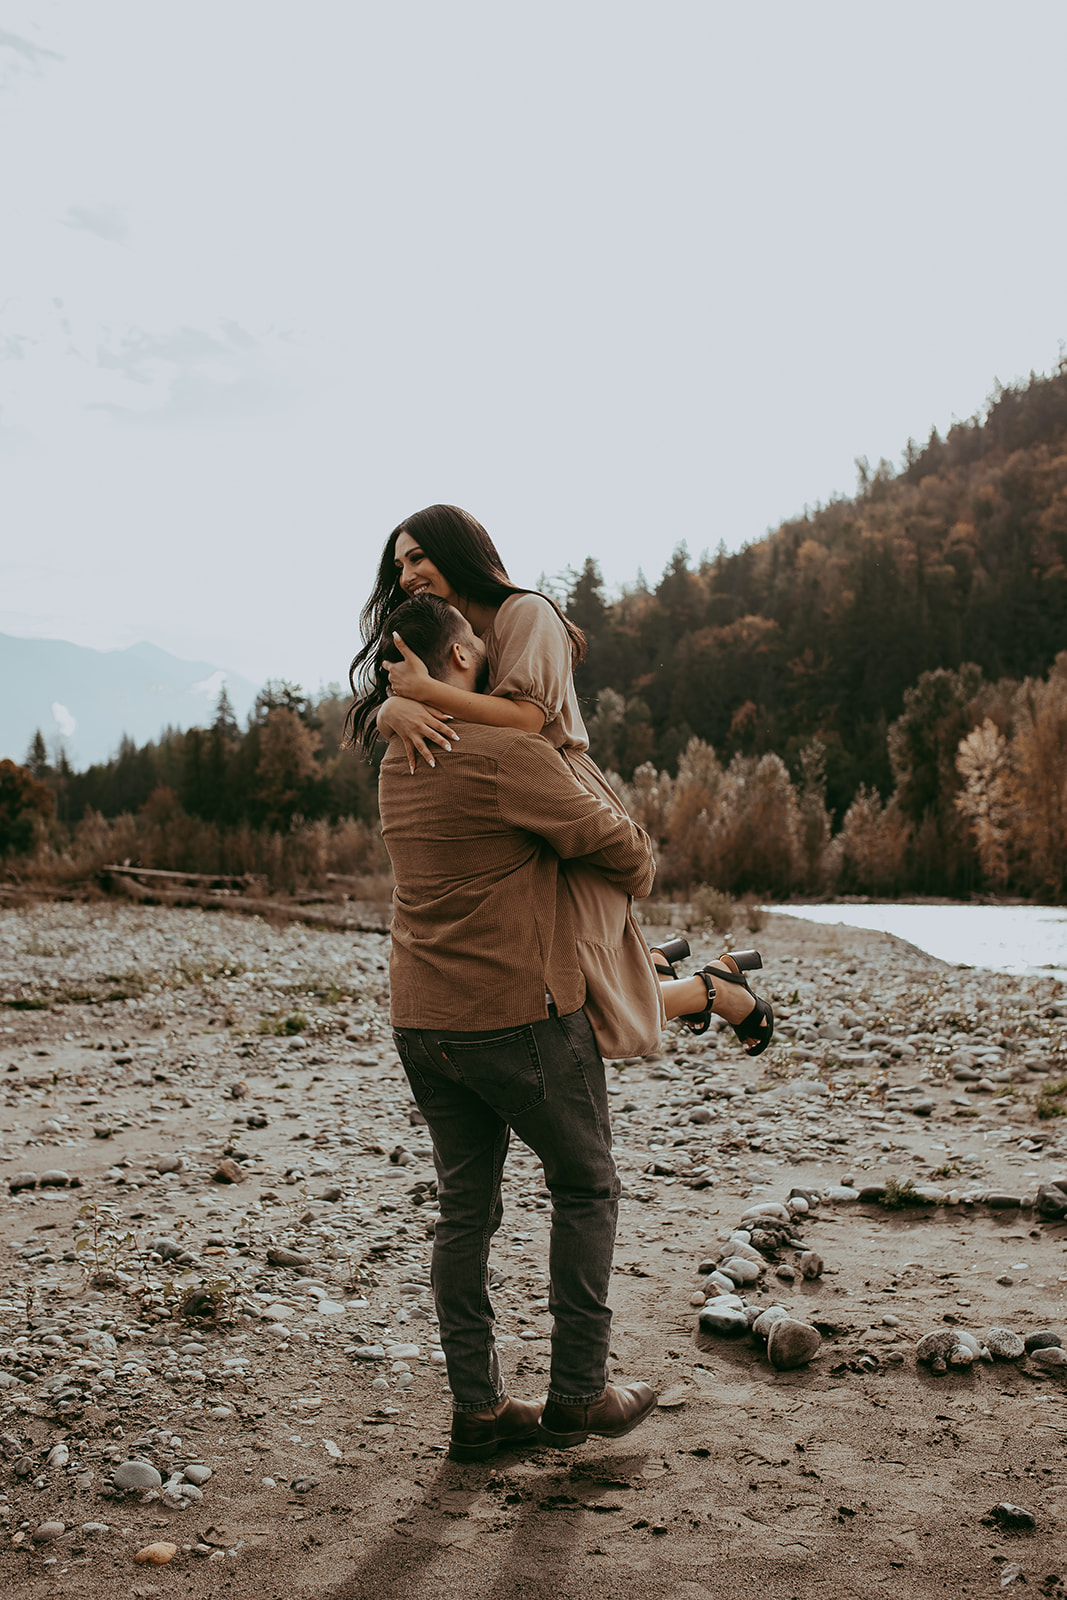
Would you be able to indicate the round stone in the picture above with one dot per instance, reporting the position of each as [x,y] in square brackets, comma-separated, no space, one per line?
[137,1475]
[22,1180]
[1052,1357]
[723,1319]
[1043,1339]
[740,1270]
[48,1532]
[1003,1345]
[791,1343]
[56,1178]
[766,1320]
[197,1473]
[810,1264]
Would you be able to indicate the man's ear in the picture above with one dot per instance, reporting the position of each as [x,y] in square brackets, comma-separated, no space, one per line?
[459,657]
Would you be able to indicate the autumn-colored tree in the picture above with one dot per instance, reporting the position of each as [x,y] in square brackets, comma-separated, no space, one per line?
[287,769]
[25,809]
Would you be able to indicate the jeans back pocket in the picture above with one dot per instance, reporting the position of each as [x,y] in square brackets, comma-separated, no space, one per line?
[504,1071]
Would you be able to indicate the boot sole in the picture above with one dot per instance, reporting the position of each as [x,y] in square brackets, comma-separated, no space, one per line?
[567,1441]
[482,1452]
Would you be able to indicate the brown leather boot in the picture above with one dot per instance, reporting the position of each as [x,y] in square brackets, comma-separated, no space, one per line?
[615,1413]
[478,1434]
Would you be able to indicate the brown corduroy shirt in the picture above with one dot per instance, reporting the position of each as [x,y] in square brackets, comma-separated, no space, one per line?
[482,921]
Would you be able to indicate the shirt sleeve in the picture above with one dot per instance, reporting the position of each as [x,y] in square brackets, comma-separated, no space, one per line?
[538,792]
[533,655]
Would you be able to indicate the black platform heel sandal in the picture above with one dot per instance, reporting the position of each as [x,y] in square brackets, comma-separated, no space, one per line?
[758,1025]
[671,950]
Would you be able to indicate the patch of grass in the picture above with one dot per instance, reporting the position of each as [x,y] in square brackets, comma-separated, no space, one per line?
[713,908]
[900,1195]
[755,916]
[949,1170]
[295,1022]
[1051,1100]
[32,1003]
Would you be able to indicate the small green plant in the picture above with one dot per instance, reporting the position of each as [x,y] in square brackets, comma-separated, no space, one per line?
[295,1022]
[1051,1100]
[106,1246]
[214,1301]
[949,1170]
[900,1195]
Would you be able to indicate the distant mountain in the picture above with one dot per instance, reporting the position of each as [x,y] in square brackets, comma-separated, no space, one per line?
[90,698]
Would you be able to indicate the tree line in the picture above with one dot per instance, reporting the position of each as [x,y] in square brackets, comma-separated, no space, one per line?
[871,699]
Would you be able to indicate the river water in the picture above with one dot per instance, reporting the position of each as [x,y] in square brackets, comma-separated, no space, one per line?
[1025,940]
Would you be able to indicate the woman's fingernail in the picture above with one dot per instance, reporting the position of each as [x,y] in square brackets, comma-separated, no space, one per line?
[433,763]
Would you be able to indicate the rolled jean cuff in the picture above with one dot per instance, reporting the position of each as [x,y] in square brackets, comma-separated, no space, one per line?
[483,1405]
[576,1399]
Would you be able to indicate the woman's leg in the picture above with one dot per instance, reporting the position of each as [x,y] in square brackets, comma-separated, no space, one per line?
[682,997]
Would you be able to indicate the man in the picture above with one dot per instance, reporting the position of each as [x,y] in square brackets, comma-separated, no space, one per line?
[487,1011]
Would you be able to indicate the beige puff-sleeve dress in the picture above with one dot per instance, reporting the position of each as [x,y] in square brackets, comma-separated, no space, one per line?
[529,656]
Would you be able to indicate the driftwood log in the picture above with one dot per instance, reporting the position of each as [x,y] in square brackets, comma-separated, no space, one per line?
[157,893]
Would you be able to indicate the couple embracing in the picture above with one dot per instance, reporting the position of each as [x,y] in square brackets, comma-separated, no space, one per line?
[516,965]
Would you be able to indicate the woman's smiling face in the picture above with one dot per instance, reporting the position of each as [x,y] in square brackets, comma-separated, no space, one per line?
[417,574]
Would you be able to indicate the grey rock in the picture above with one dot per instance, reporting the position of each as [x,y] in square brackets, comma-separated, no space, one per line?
[91,1528]
[54,1178]
[166,1163]
[935,1350]
[811,1264]
[197,1473]
[137,1475]
[167,1249]
[1051,1201]
[729,1320]
[740,1270]
[1010,1516]
[1051,1357]
[766,1320]
[48,1532]
[786,1273]
[1003,1345]
[22,1180]
[840,1194]
[369,1352]
[1042,1339]
[791,1344]
[996,1201]
[280,1257]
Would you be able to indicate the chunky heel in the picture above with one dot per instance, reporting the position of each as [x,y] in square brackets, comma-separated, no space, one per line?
[671,950]
[746,960]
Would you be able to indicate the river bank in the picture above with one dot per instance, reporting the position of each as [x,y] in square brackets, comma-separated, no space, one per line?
[156,1055]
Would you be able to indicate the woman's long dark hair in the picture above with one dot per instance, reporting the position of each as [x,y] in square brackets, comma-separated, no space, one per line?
[467,558]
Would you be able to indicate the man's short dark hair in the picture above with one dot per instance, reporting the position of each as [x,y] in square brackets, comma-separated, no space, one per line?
[429,626]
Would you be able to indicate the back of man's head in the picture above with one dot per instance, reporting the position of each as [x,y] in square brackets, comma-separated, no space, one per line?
[429,626]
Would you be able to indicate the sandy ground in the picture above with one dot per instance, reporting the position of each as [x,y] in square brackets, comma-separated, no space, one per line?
[135,1034]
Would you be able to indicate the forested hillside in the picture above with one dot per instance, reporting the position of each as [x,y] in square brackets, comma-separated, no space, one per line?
[822,627]
[871,699]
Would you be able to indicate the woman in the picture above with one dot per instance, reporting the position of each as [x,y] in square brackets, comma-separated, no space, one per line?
[532,650]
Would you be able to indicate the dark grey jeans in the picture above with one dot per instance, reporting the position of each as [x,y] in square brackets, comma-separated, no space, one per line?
[545,1080]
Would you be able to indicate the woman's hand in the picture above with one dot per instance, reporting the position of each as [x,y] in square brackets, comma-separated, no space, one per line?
[414,724]
[409,677]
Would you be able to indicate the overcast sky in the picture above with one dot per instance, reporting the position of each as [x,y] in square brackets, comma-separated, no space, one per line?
[611,275]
